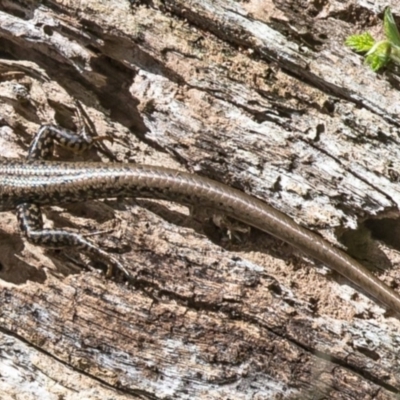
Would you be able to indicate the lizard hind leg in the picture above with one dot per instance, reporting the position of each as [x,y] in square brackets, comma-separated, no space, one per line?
[29,214]
[31,224]
[42,145]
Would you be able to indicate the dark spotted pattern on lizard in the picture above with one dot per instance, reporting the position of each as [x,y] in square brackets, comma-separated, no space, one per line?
[27,185]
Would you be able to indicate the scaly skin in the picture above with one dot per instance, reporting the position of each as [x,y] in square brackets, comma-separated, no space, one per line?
[26,186]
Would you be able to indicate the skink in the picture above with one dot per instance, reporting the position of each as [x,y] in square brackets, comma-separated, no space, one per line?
[34,183]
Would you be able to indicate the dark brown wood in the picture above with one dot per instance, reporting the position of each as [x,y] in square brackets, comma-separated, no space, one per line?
[260,95]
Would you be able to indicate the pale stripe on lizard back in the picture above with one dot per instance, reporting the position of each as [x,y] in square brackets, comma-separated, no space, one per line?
[48,182]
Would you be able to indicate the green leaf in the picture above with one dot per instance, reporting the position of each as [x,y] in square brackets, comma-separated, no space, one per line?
[360,43]
[379,55]
[390,27]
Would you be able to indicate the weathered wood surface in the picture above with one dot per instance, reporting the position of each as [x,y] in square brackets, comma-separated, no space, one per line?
[260,95]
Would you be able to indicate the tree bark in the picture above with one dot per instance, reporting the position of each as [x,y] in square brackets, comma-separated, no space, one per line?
[260,95]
